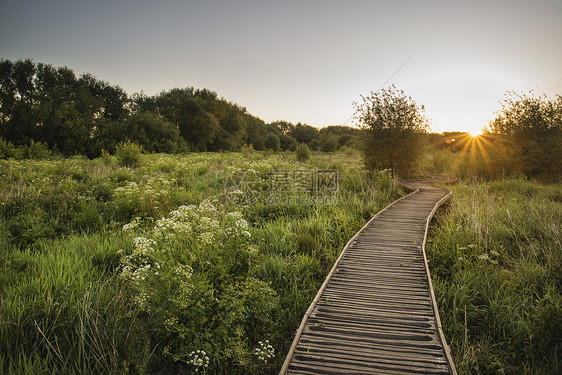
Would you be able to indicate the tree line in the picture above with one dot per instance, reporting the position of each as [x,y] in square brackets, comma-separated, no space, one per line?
[82,115]
[525,138]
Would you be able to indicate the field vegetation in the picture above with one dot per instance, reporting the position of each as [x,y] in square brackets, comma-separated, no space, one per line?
[496,263]
[178,233]
[159,268]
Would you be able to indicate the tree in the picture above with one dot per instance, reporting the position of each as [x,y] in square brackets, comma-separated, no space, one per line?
[328,142]
[288,142]
[394,124]
[152,132]
[284,126]
[272,142]
[531,127]
[304,133]
[256,130]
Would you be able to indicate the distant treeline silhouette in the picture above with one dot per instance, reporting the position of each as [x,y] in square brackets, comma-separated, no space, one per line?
[52,107]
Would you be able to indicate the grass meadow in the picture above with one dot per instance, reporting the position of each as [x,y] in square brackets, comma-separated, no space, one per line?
[205,263]
[496,261]
[183,264]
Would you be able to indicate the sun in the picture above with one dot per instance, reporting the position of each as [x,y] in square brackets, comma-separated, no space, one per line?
[474,134]
[475,131]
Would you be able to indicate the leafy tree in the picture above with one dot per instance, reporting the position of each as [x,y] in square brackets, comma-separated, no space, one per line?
[17,100]
[304,133]
[344,138]
[65,110]
[314,144]
[328,142]
[232,127]
[394,123]
[531,127]
[340,130]
[272,142]
[152,132]
[128,154]
[256,130]
[288,142]
[284,126]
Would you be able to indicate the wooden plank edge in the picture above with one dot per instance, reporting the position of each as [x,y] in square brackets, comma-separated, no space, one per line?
[446,347]
[300,330]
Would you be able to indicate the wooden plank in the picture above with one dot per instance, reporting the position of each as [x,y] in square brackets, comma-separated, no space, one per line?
[376,310]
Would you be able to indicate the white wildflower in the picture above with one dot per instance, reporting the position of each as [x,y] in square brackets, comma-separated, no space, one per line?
[207,238]
[242,224]
[199,359]
[264,351]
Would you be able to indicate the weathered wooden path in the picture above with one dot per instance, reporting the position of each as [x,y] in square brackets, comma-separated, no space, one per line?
[376,311]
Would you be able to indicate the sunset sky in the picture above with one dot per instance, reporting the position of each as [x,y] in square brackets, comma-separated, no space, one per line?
[303,61]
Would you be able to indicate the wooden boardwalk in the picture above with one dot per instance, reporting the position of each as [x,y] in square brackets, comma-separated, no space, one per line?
[376,311]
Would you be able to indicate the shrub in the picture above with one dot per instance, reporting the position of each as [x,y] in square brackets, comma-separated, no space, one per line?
[106,157]
[128,154]
[303,152]
[395,124]
[37,150]
[8,150]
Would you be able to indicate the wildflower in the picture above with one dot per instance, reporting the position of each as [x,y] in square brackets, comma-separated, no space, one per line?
[183,270]
[264,351]
[199,359]
[143,245]
[132,225]
[242,224]
[235,215]
[207,238]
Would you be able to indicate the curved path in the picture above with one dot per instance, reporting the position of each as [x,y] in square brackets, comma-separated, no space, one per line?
[376,311]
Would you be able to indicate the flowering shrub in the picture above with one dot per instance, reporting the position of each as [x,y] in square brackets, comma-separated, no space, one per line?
[147,198]
[189,276]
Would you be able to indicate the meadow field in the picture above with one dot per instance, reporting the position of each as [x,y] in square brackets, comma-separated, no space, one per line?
[206,262]
[197,263]
[495,255]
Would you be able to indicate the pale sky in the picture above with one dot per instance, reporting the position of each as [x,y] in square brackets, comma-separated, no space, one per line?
[303,61]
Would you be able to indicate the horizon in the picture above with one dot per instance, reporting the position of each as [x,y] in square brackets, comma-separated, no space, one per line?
[306,62]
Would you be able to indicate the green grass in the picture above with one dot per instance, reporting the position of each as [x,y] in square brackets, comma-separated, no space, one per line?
[67,307]
[496,263]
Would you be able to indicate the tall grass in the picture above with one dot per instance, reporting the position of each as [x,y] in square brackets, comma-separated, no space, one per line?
[64,308]
[496,261]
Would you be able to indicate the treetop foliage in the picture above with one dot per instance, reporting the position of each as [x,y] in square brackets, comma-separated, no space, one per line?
[531,129]
[394,123]
[84,115]
[528,115]
[391,112]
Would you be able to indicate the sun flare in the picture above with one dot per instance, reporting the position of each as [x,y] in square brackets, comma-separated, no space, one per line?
[474,134]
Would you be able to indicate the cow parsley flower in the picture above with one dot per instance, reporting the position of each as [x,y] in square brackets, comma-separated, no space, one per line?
[264,351]
[199,359]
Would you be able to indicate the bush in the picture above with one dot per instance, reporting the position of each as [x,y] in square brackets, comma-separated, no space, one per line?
[128,154]
[8,150]
[395,125]
[37,150]
[303,152]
